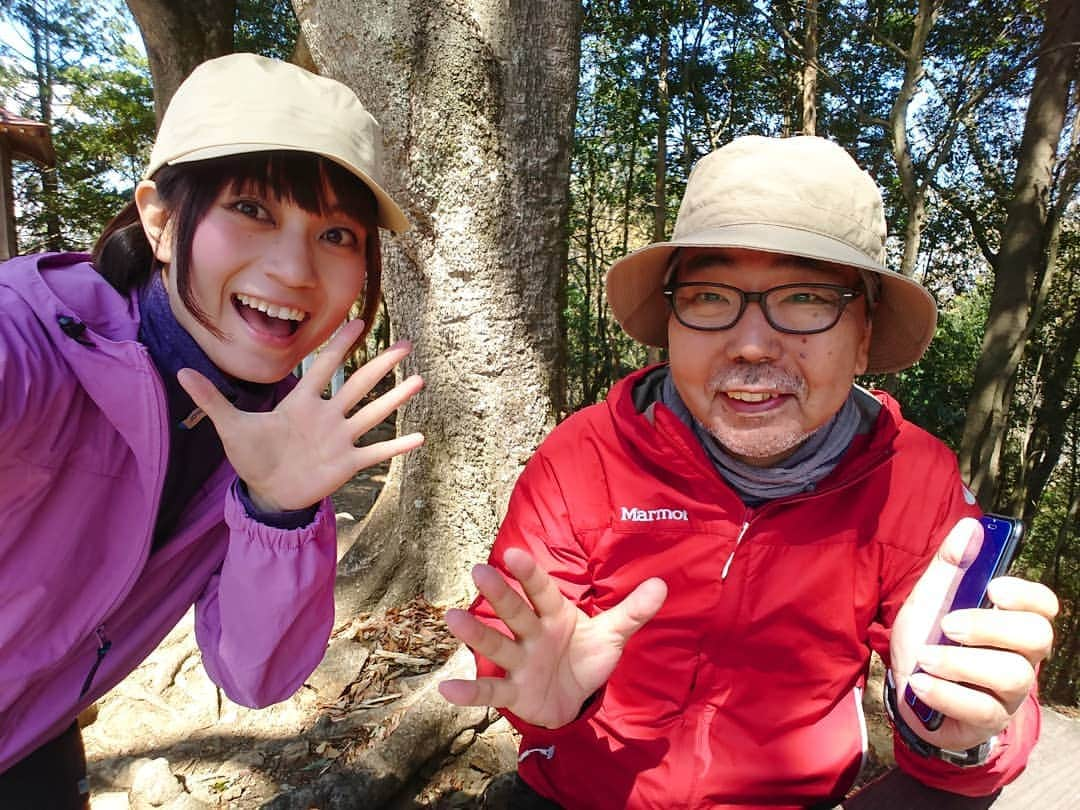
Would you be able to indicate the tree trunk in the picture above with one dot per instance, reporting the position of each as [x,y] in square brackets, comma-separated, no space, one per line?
[477,114]
[50,183]
[1022,253]
[810,70]
[913,189]
[178,36]
[1048,430]
[663,108]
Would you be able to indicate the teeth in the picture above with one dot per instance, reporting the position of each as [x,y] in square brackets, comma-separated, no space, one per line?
[749,396]
[272,310]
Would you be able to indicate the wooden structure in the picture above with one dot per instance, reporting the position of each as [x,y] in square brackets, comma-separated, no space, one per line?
[20,139]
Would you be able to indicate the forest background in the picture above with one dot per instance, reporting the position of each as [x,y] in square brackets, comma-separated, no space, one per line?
[535,142]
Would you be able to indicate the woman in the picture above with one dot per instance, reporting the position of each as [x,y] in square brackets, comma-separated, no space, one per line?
[155,451]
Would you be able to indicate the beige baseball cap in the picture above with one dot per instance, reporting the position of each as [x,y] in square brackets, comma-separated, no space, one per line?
[802,196]
[248,103]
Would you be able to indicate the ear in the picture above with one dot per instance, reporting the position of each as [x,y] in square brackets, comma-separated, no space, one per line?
[155,220]
[862,355]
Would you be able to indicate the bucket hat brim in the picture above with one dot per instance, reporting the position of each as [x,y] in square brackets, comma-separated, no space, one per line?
[903,321]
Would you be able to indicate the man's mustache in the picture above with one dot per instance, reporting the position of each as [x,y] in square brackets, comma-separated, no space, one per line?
[756,376]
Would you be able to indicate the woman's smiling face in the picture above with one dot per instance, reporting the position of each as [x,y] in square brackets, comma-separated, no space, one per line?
[271,280]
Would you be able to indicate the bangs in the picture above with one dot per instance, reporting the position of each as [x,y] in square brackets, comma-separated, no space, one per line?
[298,177]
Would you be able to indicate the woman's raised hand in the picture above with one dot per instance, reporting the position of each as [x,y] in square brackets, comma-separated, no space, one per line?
[303,450]
[558,656]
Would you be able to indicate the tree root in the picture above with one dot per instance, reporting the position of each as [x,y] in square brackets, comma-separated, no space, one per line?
[427,726]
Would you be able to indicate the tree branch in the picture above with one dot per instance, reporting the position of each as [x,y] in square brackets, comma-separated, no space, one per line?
[969,213]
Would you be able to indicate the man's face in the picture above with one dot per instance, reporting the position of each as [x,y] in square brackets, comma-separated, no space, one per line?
[759,391]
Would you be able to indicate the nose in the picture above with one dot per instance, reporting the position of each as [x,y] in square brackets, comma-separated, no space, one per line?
[752,339]
[292,262]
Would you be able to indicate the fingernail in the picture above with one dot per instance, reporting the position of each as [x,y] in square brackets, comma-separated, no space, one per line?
[919,683]
[955,627]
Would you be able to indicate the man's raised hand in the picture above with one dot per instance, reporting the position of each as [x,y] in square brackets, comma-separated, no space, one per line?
[558,656]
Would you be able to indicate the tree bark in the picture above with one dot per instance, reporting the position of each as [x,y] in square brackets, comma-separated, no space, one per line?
[663,107]
[810,70]
[477,114]
[179,36]
[1022,255]
[913,190]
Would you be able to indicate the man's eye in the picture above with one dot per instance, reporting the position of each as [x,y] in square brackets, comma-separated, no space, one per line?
[341,236]
[708,298]
[810,297]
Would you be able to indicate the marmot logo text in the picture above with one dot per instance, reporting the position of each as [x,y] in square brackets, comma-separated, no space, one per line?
[650,515]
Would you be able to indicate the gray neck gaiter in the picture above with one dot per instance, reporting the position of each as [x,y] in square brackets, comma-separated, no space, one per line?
[810,463]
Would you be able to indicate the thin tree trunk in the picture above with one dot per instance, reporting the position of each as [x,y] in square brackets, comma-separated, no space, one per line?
[180,35]
[1022,254]
[913,190]
[50,183]
[663,108]
[477,114]
[810,70]
[1048,430]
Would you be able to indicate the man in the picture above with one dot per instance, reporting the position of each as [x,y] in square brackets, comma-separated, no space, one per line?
[710,555]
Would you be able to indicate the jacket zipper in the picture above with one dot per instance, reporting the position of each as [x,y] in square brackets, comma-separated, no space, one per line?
[750,516]
[731,556]
[104,645]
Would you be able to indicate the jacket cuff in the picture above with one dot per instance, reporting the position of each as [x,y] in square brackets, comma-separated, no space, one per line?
[238,519]
[532,735]
[289,519]
[1006,761]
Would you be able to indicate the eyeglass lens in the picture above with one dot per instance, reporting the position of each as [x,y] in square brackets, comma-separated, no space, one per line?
[790,307]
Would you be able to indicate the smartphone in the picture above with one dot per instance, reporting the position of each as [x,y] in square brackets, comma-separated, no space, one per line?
[1001,541]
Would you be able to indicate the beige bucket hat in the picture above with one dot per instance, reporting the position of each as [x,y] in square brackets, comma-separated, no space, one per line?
[801,196]
[248,103]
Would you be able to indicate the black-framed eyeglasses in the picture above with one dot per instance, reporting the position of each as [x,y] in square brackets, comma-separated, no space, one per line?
[797,309]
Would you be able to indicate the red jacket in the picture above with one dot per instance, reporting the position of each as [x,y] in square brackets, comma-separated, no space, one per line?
[744,689]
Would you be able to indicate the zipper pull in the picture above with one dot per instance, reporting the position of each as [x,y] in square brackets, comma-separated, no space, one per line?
[76,330]
[731,556]
[104,645]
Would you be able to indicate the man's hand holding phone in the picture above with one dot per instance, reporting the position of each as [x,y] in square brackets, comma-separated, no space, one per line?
[982,680]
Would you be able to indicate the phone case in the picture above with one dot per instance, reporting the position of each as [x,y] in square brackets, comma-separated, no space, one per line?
[1001,541]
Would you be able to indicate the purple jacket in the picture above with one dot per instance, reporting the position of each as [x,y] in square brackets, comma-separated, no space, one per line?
[83,453]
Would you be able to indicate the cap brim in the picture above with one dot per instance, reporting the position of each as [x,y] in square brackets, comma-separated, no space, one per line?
[903,323]
[390,216]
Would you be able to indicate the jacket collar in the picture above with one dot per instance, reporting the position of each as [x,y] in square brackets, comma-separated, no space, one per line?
[665,441]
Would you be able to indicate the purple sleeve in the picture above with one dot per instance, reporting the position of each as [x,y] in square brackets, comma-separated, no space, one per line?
[264,619]
[291,519]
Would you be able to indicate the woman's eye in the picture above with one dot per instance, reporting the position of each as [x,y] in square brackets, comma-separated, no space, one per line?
[340,236]
[250,208]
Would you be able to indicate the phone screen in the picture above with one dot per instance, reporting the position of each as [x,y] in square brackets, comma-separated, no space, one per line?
[1001,539]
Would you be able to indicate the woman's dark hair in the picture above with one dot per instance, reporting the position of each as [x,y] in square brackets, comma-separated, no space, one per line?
[124,256]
